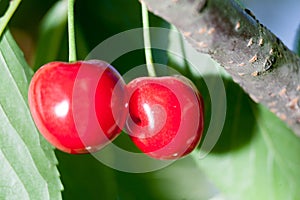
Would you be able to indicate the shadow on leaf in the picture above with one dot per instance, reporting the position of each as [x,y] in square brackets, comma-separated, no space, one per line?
[240,121]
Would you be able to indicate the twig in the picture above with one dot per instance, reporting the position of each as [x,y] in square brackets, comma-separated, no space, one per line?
[256,59]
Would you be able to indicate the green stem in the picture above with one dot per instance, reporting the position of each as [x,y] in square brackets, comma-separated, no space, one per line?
[13,5]
[195,155]
[71,31]
[147,41]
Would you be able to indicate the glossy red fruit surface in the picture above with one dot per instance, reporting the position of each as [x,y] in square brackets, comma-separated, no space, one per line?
[78,107]
[166,116]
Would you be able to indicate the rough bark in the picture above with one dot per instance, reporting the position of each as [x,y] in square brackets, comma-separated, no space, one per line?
[256,59]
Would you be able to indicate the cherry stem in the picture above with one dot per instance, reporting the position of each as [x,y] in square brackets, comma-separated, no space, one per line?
[195,155]
[13,5]
[147,41]
[71,31]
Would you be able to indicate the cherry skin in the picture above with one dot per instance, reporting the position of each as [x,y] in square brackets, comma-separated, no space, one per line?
[78,107]
[165,116]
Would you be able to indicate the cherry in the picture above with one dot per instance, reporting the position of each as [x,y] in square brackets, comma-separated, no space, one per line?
[78,107]
[165,116]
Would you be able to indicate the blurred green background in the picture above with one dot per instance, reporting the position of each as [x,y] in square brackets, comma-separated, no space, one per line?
[40,29]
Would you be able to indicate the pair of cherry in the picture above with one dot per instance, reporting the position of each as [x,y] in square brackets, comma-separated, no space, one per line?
[80,107]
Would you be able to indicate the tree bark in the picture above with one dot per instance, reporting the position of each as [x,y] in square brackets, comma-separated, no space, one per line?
[256,59]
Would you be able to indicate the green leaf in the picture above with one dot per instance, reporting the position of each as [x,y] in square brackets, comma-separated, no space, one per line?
[84,177]
[7,11]
[28,164]
[257,156]
[181,180]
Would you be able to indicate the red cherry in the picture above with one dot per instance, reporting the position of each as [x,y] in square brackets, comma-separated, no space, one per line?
[78,107]
[166,116]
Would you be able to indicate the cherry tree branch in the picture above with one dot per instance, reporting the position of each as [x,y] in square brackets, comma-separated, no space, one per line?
[256,59]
